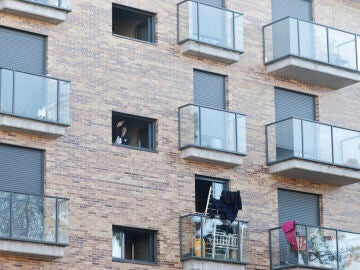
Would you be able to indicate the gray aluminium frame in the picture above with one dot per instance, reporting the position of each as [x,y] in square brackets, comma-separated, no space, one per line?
[67,10]
[357,69]
[151,23]
[304,158]
[202,257]
[29,117]
[203,147]
[304,265]
[198,32]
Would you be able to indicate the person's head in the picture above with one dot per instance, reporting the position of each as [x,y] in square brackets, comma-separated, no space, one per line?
[124,130]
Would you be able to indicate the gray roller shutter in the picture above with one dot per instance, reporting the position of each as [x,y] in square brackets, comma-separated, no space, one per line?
[209,90]
[22,51]
[292,104]
[21,169]
[301,9]
[216,3]
[302,207]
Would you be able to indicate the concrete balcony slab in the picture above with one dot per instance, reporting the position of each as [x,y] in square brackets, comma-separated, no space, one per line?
[194,264]
[212,156]
[31,249]
[32,10]
[9,122]
[316,172]
[211,52]
[313,72]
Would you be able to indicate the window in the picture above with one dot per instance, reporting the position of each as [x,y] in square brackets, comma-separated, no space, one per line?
[133,131]
[202,185]
[133,23]
[134,244]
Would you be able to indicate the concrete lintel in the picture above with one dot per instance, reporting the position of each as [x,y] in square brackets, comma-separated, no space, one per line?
[8,122]
[212,156]
[313,72]
[316,172]
[210,265]
[32,250]
[33,11]
[209,52]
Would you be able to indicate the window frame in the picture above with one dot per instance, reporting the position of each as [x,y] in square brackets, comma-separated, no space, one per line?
[151,23]
[152,247]
[151,131]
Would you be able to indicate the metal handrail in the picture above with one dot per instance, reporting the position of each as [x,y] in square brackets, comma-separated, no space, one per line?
[302,141]
[11,195]
[356,36]
[58,6]
[234,13]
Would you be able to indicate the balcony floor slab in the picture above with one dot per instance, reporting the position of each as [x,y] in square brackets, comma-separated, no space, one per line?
[34,11]
[316,172]
[212,156]
[31,249]
[8,122]
[194,264]
[214,53]
[313,72]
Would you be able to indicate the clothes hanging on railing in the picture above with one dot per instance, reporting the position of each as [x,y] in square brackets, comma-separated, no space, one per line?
[289,229]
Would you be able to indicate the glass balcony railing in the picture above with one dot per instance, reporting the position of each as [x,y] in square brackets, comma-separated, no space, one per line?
[63,4]
[210,25]
[303,139]
[211,128]
[36,97]
[294,37]
[214,239]
[315,247]
[34,218]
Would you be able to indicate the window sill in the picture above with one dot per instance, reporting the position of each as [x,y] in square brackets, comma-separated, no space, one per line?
[135,39]
[134,261]
[135,148]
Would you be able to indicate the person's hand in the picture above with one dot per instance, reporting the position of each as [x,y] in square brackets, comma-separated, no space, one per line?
[120,124]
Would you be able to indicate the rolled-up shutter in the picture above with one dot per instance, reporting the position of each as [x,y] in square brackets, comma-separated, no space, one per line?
[209,90]
[292,104]
[216,3]
[22,51]
[302,207]
[21,169]
[300,9]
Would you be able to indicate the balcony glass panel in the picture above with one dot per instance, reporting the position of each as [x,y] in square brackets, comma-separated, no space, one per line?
[211,128]
[214,239]
[315,247]
[297,138]
[35,97]
[33,218]
[65,4]
[210,25]
[312,41]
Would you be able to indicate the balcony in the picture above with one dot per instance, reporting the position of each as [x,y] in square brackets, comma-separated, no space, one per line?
[312,53]
[33,225]
[210,32]
[34,104]
[315,247]
[50,11]
[213,244]
[212,136]
[317,152]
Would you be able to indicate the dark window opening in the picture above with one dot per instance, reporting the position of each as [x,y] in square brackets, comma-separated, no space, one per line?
[202,186]
[133,23]
[134,244]
[133,131]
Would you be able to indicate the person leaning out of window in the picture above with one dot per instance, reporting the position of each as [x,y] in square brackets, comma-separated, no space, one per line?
[122,136]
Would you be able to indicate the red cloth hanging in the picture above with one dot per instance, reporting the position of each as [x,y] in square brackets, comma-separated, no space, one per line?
[289,228]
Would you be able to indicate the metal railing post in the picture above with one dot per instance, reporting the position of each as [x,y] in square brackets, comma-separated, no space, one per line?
[10,214]
[58,101]
[236,133]
[356,53]
[201,238]
[57,221]
[239,251]
[302,139]
[200,135]
[307,250]
[13,93]
[327,45]
[233,29]
[298,34]
[332,144]
[337,250]
[198,21]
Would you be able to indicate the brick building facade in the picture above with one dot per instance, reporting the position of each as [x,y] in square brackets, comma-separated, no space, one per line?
[112,185]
